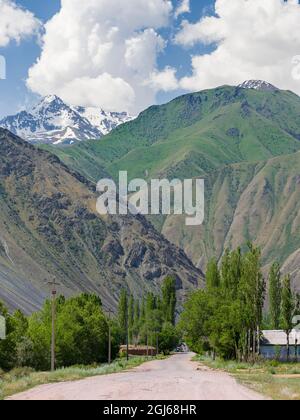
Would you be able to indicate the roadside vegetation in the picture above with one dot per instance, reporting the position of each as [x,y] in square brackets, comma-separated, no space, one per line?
[82,335]
[224,322]
[21,379]
[279,381]
[226,319]
[152,320]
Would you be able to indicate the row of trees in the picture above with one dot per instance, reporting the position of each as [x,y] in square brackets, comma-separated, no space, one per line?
[82,329]
[284,304]
[81,335]
[227,317]
[152,320]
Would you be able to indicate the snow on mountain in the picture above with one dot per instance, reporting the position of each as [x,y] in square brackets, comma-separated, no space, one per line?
[52,121]
[103,120]
[258,85]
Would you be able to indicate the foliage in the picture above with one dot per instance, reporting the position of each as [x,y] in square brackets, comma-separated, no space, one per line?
[287,309]
[275,293]
[151,321]
[226,318]
[81,335]
[169,299]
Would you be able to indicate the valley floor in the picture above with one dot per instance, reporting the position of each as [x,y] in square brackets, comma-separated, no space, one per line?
[175,378]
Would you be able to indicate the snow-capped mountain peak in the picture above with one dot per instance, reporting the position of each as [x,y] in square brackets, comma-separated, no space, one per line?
[258,85]
[52,121]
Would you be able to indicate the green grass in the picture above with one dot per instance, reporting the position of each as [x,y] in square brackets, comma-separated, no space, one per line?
[278,381]
[22,379]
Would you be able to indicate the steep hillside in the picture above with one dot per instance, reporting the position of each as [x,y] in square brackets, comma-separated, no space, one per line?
[50,227]
[244,141]
[249,201]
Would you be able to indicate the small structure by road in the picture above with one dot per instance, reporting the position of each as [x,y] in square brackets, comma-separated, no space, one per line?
[274,345]
[138,351]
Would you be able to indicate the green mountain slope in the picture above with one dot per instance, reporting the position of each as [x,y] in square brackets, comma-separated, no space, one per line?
[50,227]
[195,134]
[245,144]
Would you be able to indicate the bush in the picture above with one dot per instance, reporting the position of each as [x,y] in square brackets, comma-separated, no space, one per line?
[18,373]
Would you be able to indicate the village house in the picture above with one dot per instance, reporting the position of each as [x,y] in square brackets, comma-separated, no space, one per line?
[274,345]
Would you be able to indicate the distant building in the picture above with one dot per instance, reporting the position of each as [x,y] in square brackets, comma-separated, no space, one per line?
[138,350]
[274,345]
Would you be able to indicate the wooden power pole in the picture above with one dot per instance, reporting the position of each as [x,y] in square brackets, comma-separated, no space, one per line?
[127,335]
[53,285]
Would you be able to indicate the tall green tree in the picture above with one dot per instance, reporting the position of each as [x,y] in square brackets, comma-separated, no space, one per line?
[136,321]
[169,299]
[123,313]
[212,275]
[287,309]
[252,289]
[16,330]
[231,272]
[131,318]
[275,292]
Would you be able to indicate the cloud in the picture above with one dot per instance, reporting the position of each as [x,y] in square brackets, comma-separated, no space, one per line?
[101,52]
[164,80]
[254,40]
[15,23]
[183,7]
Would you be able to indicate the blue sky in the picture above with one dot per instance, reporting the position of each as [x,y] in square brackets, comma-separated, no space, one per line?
[14,94]
[197,50]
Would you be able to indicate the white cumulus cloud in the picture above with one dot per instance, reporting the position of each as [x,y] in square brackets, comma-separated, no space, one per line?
[164,80]
[254,40]
[15,23]
[101,52]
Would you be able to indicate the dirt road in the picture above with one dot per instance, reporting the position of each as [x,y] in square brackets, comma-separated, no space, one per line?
[176,378]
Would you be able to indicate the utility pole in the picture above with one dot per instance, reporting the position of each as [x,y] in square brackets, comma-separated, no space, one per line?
[127,335]
[53,284]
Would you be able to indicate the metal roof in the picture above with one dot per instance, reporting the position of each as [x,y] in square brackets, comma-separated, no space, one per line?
[279,338]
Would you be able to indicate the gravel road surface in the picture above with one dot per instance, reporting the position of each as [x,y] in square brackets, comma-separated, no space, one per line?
[176,378]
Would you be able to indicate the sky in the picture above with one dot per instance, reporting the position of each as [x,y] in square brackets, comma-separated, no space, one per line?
[128,55]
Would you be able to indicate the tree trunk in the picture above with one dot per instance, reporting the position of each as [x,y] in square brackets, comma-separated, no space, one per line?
[288,346]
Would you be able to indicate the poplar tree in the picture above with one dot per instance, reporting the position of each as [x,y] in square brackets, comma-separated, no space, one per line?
[287,307]
[275,291]
[123,313]
[212,275]
[136,321]
[169,299]
[252,291]
[231,272]
[131,317]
